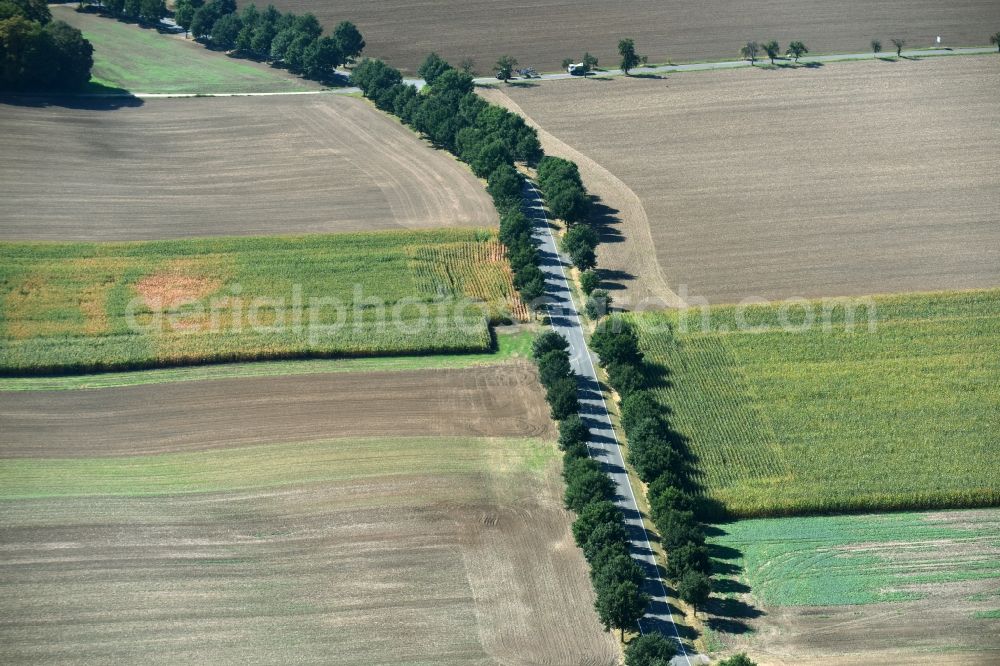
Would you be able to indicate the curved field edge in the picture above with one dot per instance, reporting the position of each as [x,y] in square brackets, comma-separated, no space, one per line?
[235,166]
[84,307]
[142,60]
[834,416]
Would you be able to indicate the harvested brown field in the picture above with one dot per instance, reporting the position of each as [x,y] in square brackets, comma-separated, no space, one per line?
[543,32]
[224,166]
[499,401]
[397,518]
[848,179]
[440,556]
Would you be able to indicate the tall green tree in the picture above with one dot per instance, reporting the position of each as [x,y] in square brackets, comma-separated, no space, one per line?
[797,50]
[433,67]
[593,516]
[899,44]
[995,39]
[772,49]
[630,59]
[504,67]
[151,11]
[876,47]
[621,607]
[588,486]
[320,58]
[54,56]
[652,649]
[184,13]
[750,51]
[548,341]
[225,30]
[32,10]
[349,40]
[694,587]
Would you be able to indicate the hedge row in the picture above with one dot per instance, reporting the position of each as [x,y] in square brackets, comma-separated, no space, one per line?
[658,456]
[599,528]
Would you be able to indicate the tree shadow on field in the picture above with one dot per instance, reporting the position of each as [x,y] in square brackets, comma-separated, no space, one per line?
[82,102]
[728,608]
[605,221]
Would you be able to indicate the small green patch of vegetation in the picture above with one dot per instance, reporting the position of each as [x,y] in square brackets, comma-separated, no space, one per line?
[85,307]
[142,60]
[988,615]
[835,416]
[846,560]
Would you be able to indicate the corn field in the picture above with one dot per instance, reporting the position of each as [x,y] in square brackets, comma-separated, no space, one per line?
[837,417]
[101,306]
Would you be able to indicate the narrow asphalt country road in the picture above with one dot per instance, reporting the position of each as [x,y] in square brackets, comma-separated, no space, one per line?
[805,61]
[603,445]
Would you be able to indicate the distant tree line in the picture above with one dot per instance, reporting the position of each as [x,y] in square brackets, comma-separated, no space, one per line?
[143,11]
[37,53]
[289,40]
[599,527]
[657,454]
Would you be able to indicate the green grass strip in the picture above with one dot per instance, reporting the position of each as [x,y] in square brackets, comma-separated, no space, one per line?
[515,345]
[254,467]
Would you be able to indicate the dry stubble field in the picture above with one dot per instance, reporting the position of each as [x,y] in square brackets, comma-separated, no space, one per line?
[414,536]
[853,178]
[224,166]
[542,33]
[502,401]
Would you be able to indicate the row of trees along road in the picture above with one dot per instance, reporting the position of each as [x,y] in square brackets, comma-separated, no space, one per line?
[752,50]
[659,457]
[599,527]
[37,53]
[488,138]
[144,11]
[296,42]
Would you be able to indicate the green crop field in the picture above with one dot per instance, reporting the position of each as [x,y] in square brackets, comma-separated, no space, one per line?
[848,560]
[107,306]
[142,60]
[837,417]
[889,588]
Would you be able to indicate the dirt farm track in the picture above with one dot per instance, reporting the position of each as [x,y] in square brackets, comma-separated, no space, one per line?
[221,167]
[543,32]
